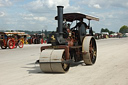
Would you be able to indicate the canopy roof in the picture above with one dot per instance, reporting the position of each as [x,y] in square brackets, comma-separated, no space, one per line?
[76,16]
[12,32]
[2,33]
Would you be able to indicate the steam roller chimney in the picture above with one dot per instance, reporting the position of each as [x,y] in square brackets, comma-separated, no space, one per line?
[60,18]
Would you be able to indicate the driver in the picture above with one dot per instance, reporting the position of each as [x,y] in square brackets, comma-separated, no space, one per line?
[80,23]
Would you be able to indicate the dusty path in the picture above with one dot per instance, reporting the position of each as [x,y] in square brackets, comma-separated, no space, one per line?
[111,68]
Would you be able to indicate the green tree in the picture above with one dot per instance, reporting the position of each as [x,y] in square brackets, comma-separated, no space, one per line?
[111,32]
[124,29]
[104,30]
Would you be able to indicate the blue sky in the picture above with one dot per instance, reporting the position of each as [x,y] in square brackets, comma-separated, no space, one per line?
[39,14]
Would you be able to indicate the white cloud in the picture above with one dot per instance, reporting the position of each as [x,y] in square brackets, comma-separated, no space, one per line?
[39,18]
[111,20]
[2,14]
[52,3]
[105,3]
[32,17]
[4,3]
[27,15]
[28,18]
[96,6]
[45,5]
[45,10]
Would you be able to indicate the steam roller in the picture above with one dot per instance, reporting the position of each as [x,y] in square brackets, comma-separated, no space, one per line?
[69,44]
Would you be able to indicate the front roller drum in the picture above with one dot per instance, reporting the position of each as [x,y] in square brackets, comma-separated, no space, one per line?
[89,46]
[52,61]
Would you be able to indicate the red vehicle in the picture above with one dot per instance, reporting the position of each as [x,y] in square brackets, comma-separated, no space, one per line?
[10,39]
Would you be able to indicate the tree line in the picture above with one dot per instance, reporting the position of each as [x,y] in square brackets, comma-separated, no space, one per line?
[123,30]
[106,30]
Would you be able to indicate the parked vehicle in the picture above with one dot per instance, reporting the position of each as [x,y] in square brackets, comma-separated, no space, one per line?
[11,40]
[36,39]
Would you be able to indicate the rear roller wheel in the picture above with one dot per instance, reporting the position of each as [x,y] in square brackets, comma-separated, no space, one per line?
[52,61]
[89,46]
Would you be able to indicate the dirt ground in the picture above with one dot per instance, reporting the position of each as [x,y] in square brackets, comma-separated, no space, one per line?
[17,67]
